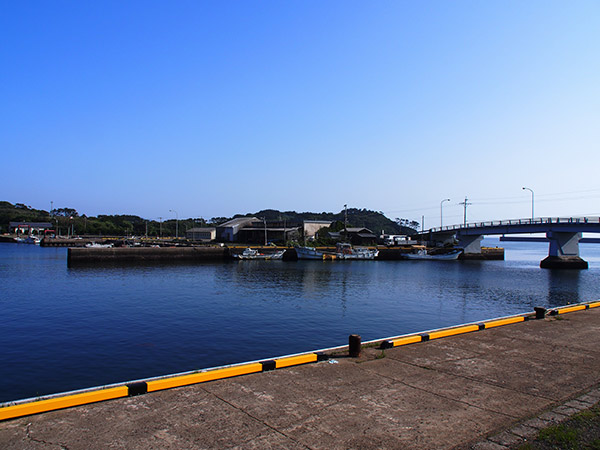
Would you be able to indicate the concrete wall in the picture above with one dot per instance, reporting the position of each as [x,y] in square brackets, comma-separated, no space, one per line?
[311,228]
[145,254]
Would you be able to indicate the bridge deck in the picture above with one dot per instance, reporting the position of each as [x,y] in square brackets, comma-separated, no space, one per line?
[517,226]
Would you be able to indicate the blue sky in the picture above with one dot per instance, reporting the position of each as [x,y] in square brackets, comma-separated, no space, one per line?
[216,108]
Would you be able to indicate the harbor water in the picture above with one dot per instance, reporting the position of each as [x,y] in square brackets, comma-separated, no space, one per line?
[71,328]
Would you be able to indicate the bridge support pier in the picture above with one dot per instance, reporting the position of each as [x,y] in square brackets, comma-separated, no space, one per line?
[563,252]
[470,244]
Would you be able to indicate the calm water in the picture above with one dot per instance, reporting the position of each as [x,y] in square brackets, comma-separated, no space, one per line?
[69,328]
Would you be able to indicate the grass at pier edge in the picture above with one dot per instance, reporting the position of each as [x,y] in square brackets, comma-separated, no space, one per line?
[582,431]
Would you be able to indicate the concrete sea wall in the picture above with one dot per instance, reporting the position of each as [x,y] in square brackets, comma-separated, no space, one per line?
[145,254]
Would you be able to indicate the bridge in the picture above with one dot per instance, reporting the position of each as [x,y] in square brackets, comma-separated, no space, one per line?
[563,234]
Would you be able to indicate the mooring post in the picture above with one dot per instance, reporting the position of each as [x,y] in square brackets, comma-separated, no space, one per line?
[540,312]
[354,345]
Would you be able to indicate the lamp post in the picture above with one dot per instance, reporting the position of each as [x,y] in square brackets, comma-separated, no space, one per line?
[530,190]
[176,223]
[441,216]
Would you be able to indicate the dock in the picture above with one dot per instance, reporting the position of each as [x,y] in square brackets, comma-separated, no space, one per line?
[487,388]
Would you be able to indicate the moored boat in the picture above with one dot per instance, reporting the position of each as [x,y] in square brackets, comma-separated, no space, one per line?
[423,254]
[346,251]
[28,240]
[312,253]
[342,251]
[251,253]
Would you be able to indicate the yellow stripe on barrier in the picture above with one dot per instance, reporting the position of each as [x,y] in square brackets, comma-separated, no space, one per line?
[453,331]
[594,304]
[295,360]
[406,340]
[570,309]
[51,404]
[201,377]
[500,322]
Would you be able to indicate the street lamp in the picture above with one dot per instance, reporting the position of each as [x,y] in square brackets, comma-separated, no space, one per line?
[530,190]
[441,216]
[176,223]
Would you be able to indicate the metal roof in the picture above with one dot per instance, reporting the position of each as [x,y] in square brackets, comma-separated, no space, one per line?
[31,224]
[238,221]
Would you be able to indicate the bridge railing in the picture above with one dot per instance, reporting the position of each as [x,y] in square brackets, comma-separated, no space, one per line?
[535,221]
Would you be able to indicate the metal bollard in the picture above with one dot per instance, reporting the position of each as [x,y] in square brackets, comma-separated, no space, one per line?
[354,345]
[540,312]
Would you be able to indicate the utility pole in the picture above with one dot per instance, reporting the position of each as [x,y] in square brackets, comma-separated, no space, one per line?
[465,204]
[345,222]
[176,223]
[265,222]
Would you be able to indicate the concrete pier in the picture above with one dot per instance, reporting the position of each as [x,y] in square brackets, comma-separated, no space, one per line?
[484,390]
[563,252]
[145,254]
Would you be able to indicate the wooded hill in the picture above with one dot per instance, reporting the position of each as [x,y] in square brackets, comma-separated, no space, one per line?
[373,220]
[120,225]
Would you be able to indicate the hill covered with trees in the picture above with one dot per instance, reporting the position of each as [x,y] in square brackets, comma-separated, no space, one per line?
[130,225]
[375,221]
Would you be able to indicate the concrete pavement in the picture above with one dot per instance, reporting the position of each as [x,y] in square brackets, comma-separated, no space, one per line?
[453,392]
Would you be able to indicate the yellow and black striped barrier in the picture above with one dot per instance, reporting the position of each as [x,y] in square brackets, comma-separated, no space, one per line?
[60,402]
[540,313]
[52,403]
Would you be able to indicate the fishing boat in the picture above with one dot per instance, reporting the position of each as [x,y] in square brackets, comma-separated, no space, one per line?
[96,245]
[251,253]
[29,240]
[312,253]
[423,254]
[342,251]
[346,251]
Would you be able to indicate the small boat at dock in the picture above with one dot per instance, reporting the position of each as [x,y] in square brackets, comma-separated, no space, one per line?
[422,253]
[342,251]
[313,253]
[251,253]
[346,251]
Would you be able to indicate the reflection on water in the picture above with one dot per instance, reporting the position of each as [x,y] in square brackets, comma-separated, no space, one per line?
[563,287]
[73,328]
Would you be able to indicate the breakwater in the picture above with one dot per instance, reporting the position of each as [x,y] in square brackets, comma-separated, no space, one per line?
[145,254]
[87,255]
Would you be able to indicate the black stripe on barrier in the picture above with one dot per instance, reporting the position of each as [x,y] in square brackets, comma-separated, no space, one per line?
[424,337]
[268,365]
[587,306]
[481,326]
[554,312]
[386,344]
[321,356]
[137,388]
